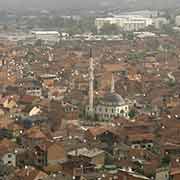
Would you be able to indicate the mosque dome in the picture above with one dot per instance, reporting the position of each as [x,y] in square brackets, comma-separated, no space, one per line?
[112,98]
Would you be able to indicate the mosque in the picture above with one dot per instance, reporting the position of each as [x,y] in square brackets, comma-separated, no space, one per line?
[111,104]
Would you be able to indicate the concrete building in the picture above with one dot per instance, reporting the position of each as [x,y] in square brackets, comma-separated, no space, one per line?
[47,36]
[125,22]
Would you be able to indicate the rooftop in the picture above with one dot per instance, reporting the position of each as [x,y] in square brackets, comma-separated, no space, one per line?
[86,152]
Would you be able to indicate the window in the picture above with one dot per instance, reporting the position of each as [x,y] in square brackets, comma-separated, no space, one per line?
[9,162]
[9,155]
[122,111]
[149,145]
[106,110]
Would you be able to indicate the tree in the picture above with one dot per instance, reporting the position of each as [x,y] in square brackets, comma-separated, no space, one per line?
[55,115]
[132,113]
[130,36]
[165,160]
[110,29]
[38,42]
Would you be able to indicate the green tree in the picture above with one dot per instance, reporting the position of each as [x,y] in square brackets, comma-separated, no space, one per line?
[38,42]
[110,29]
[130,36]
[132,113]
[165,160]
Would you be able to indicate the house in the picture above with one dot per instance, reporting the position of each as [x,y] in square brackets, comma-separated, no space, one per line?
[15,128]
[95,156]
[91,176]
[175,173]
[138,140]
[130,175]
[7,152]
[28,173]
[27,99]
[71,111]
[34,111]
[30,121]
[162,174]
[32,88]
[56,93]
[33,137]
[170,148]
[10,103]
[145,159]
[120,151]
[115,175]
[105,135]
[102,133]
[56,153]
[48,154]
[24,157]
[76,168]
[58,176]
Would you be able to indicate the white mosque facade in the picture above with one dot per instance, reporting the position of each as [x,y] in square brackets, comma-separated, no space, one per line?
[110,106]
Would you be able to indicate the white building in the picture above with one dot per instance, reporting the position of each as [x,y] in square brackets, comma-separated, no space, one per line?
[46,36]
[177,20]
[110,106]
[125,22]
[142,35]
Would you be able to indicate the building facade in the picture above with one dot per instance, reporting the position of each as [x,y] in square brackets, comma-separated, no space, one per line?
[46,36]
[177,20]
[112,105]
[125,22]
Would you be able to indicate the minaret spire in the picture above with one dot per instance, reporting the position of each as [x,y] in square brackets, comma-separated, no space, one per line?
[91,84]
[112,84]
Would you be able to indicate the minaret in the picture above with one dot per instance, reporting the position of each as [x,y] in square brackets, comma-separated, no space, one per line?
[91,84]
[112,84]
[50,56]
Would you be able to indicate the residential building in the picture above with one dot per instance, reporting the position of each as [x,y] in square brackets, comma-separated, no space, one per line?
[96,156]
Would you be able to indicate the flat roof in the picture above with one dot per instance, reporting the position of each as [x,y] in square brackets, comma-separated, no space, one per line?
[45,32]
